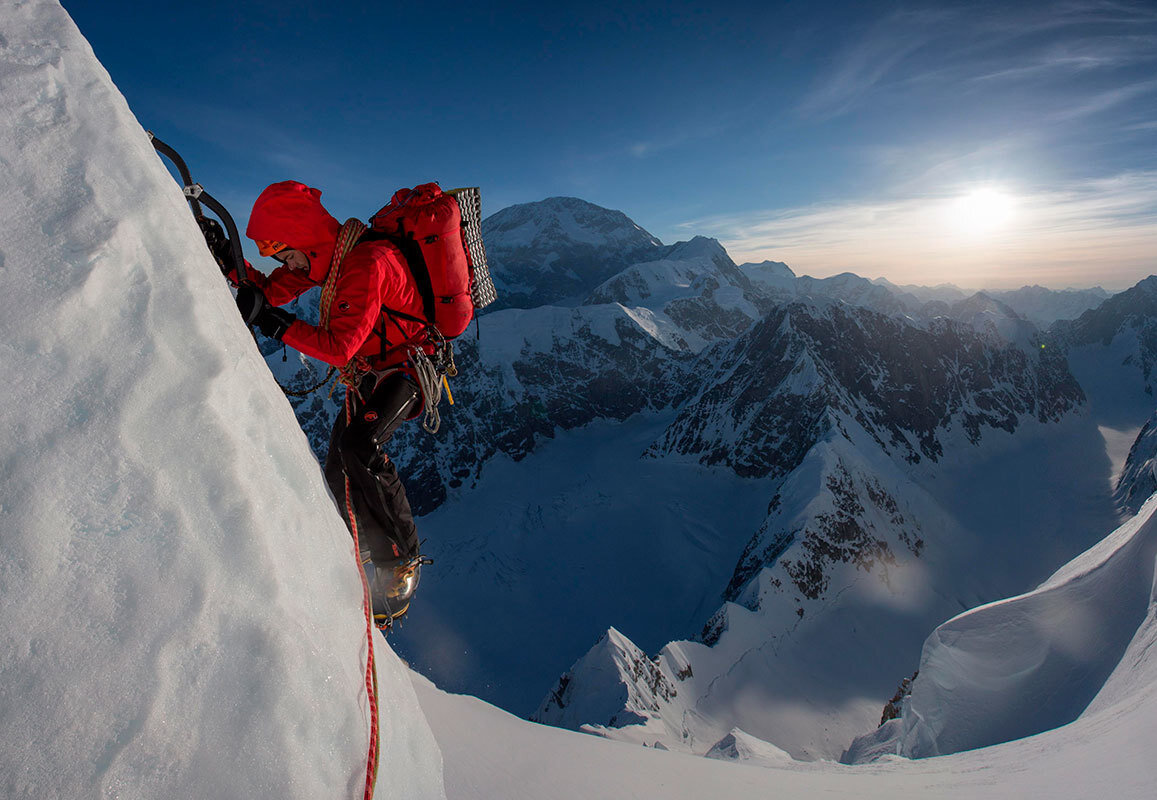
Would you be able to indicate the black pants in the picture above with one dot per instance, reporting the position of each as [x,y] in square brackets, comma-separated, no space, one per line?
[378,499]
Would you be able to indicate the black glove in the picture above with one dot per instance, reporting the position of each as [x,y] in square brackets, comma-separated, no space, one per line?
[274,322]
[218,243]
[255,310]
[250,302]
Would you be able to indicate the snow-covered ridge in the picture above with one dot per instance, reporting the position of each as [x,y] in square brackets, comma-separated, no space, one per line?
[1077,646]
[1045,306]
[181,604]
[765,397]
[1138,479]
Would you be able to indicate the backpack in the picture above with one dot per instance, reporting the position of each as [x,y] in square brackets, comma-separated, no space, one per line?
[440,236]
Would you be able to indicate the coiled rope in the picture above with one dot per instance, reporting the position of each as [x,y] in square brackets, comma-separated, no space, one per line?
[430,382]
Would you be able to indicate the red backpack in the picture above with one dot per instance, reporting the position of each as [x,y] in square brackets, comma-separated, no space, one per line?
[449,267]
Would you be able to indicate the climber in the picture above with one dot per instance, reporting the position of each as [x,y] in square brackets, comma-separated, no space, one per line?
[370,327]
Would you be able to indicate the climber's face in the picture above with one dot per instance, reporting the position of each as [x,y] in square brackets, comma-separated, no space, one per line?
[294,259]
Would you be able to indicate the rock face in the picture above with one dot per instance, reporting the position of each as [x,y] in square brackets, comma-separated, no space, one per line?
[1138,480]
[860,522]
[535,373]
[770,395]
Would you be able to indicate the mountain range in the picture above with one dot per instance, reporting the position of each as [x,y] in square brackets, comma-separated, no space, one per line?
[775,482]
[911,549]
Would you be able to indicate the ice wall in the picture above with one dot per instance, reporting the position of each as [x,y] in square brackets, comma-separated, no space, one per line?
[181,609]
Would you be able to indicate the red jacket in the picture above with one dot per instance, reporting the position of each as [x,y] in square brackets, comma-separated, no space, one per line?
[374,274]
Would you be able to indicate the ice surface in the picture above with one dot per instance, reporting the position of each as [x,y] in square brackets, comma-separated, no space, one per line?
[181,606]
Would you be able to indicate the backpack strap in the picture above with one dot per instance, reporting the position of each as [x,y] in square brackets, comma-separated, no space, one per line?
[416,263]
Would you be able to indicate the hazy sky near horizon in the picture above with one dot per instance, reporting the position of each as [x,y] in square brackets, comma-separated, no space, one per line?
[987,145]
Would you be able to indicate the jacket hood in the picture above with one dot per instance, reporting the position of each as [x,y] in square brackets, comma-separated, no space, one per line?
[292,213]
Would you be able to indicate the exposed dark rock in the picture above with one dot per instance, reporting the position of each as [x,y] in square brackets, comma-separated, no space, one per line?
[894,706]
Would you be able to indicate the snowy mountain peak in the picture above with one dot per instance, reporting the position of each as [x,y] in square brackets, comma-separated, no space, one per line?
[983,302]
[557,250]
[776,268]
[989,316]
[1138,301]
[1045,306]
[697,247]
[617,683]
[1127,320]
[743,747]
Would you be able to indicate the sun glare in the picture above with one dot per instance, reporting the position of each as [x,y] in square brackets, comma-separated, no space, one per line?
[981,211]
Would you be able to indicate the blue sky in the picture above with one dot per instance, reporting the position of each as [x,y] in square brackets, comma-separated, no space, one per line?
[981,144]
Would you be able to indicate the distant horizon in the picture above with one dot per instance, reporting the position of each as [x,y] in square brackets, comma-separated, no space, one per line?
[688,235]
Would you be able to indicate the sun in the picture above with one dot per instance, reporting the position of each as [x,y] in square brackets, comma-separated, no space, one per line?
[982,211]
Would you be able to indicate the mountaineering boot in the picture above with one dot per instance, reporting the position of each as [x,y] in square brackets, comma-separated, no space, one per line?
[392,586]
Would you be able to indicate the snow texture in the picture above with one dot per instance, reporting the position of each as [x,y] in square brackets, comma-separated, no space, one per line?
[490,754]
[182,608]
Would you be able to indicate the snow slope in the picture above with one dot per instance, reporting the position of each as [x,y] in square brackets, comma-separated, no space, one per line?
[491,754]
[181,608]
[1077,647]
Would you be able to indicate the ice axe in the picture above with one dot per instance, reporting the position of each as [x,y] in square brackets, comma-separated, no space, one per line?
[215,239]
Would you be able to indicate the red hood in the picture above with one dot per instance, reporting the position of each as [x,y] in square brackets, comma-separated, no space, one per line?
[292,213]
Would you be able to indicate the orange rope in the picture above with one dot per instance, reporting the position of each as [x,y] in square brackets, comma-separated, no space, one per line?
[371,672]
[347,237]
[351,373]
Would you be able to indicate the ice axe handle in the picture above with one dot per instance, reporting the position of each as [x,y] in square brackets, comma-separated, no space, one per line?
[196,195]
[230,228]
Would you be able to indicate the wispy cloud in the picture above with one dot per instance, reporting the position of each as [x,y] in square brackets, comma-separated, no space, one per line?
[1103,101]
[869,61]
[954,51]
[1100,231]
[693,131]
